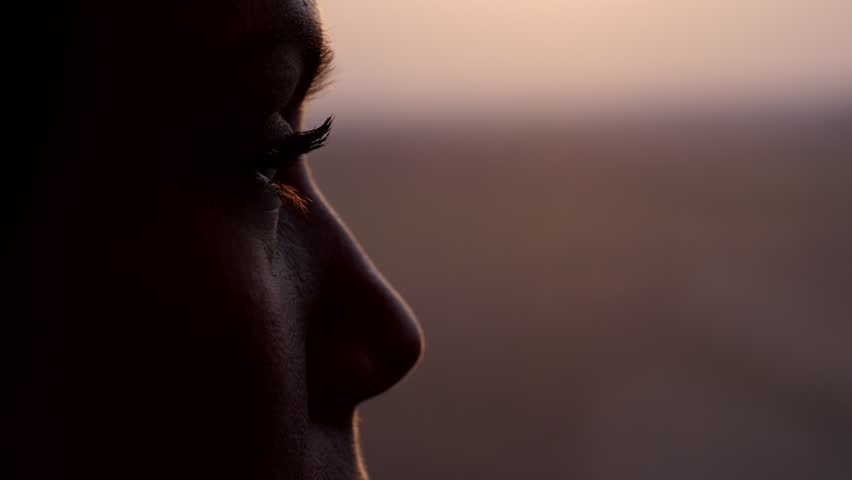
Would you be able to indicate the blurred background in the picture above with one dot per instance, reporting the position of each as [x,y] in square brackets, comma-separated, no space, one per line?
[625,225]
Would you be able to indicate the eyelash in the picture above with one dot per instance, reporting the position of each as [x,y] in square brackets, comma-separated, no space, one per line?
[287,152]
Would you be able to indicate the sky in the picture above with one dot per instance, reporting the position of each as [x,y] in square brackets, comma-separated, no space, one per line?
[436,56]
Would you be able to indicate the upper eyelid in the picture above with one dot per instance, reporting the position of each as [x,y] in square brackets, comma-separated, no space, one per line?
[309,140]
[287,151]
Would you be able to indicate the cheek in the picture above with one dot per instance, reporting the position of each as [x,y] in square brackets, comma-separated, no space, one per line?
[269,310]
[295,269]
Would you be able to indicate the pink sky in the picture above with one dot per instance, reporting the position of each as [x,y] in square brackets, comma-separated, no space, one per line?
[399,55]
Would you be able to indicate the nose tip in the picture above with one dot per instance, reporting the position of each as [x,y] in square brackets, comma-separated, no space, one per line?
[362,339]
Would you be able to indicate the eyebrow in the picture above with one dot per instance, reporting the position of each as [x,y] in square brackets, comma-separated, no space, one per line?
[321,57]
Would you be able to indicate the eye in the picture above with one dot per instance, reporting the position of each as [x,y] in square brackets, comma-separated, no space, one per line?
[284,155]
[287,152]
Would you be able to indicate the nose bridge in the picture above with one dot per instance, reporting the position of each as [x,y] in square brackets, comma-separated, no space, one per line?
[362,337]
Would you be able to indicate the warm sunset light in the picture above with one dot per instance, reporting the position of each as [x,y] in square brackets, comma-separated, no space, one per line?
[568,52]
[431,239]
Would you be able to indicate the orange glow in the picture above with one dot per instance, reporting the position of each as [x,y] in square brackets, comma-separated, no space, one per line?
[398,55]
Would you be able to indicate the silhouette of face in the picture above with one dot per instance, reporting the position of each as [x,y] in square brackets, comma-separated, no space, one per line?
[210,329]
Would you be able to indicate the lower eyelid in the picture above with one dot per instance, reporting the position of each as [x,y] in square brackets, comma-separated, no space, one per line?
[275,193]
[291,196]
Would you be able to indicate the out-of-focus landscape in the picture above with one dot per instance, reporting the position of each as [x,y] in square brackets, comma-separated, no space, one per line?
[613,284]
[636,301]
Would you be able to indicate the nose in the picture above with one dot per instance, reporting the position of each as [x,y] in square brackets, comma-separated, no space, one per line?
[361,338]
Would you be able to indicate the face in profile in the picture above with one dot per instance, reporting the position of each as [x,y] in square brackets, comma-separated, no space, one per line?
[217,320]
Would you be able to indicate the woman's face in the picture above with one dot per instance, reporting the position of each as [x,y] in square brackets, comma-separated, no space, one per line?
[210,328]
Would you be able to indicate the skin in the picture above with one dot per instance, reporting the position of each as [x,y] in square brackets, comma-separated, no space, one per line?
[203,327]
